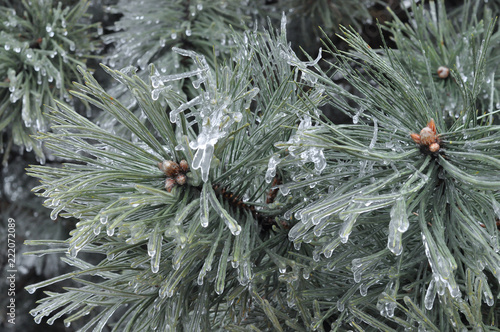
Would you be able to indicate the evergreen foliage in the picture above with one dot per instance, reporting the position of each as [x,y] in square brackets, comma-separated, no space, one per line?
[432,40]
[432,207]
[146,34]
[167,243]
[41,44]
[386,223]
[328,14]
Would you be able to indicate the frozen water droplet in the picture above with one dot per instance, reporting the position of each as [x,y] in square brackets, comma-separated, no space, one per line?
[197,83]
[363,289]
[235,230]
[53,214]
[340,306]
[356,263]
[271,168]
[488,298]
[31,290]
[344,238]
[357,276]
[73,252]
[430,295]
[284,190]
[200,279]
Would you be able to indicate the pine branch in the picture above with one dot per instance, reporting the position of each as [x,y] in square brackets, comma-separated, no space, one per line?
[42,44]
[379,179]
[172,243]
[372,221]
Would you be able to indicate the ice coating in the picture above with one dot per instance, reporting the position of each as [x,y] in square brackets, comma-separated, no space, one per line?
[292,59]
[301,145]
[216,109]
[398,225]
[442,271]
[271,168]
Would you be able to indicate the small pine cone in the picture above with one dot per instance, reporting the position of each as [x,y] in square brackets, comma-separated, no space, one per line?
[184,166]
[434,147]
[443,72]
[169,184]
[169,167]
[181,179]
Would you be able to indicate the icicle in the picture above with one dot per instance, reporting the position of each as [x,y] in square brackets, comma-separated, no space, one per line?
[387,306]
[375,132]
[318,158]
[346,228]
[298,231]
[398,225]
[303,146]
[271,168]
[230,222]
[182,215]
[394,242]
[193,102]
[202,160]
[430,295]
[249,96]
[204,209]
[155,262]
[154,238]
[487,295]
[245,273]
[442,268]
[221,270]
